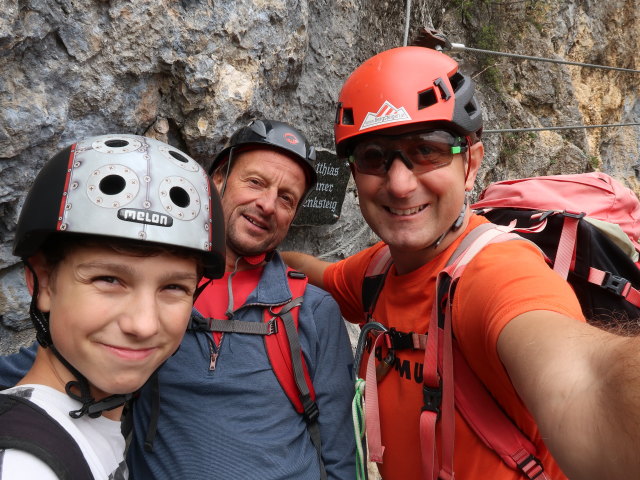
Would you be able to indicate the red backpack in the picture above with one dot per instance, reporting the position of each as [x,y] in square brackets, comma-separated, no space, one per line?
[588,225]
[577,222]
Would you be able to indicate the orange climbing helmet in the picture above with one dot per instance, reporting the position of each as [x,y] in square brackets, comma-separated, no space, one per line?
[405,86]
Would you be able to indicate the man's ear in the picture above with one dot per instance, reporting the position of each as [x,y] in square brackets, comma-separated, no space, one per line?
[476,153]
[43,273]
[218,179]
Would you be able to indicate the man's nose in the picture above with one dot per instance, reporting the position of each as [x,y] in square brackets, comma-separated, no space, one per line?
[401,180]
[267,201]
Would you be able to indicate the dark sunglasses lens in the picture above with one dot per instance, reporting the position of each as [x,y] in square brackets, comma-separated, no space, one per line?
[431,150]
[369,158]
[428,155]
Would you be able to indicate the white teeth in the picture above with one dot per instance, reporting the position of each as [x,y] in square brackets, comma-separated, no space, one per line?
[252,221]
[409,211]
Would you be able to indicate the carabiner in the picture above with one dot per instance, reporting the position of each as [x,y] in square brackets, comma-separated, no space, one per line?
[362,340]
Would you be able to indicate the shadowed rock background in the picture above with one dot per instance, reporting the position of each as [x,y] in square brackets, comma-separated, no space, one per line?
[190,72]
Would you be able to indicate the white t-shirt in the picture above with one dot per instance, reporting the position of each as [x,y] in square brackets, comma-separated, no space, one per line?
[99,439]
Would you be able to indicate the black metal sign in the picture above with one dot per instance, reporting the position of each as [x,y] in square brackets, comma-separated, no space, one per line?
[323,205]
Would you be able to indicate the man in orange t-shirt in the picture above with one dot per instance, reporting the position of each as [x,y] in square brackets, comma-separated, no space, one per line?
[410,126]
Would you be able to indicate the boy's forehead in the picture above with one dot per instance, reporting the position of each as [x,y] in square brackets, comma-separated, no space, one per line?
[159,266]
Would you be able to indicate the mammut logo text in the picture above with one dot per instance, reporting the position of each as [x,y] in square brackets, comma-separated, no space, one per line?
[407,369]
[145,216]
[387,113]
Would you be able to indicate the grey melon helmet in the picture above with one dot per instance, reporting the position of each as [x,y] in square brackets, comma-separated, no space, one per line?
[126,187]
[278,135]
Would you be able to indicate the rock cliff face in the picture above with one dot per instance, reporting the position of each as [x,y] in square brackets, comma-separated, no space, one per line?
[189,72]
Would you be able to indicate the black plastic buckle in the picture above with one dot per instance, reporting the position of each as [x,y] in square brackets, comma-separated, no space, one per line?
[577,215]
[432,398]
[311,412]
[614,283]
[199,324]
[538,468]
[400,340]
[545,214]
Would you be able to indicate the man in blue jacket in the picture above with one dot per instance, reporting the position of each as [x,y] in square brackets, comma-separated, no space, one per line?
[218,409]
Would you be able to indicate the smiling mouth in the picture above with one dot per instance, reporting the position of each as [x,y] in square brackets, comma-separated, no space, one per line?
[130,353]
[406,211]
[254,222]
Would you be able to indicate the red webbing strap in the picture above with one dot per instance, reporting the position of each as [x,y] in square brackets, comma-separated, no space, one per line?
[448,401]
[279,350]
[618,284]
[429,418]
[372,412]
[373,280]
[379,263]
[566,246]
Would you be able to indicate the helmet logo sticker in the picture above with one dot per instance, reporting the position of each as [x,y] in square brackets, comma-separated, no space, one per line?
[145,216]
[291,138]
[387,113]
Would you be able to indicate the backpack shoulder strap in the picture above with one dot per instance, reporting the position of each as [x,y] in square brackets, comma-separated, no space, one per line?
[280,346]
[373,281]
[472,399]
[27,427]
[285,355]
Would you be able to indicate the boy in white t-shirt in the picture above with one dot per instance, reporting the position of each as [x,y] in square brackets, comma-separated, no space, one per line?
[115,234]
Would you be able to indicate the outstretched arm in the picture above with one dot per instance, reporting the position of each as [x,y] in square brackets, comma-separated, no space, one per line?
[582,386]
[311,266]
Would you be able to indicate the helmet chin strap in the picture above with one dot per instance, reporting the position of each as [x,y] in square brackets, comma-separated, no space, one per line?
[463,211]
[456,225]
[226,173]
[90,406]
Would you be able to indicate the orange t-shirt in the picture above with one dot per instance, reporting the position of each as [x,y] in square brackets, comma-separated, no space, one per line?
[503,281]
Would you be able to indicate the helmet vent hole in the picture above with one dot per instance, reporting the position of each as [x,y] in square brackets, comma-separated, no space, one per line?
[470,108]
[178,156]
[426,99]
[117,143]
[179,197]
[112,184]
[347,116]
[456,80]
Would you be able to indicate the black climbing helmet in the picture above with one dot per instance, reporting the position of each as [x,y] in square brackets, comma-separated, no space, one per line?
[274,134]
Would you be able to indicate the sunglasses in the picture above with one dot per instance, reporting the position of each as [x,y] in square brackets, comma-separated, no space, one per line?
[419,151]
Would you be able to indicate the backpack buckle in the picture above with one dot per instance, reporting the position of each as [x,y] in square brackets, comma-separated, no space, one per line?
[432,397]
[577,215]
[531,466]
[199,323]
[272,326]
[399,340]
[311,412]
[615,283]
